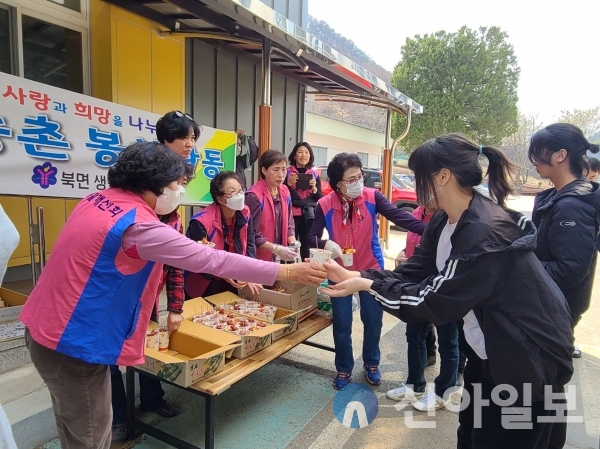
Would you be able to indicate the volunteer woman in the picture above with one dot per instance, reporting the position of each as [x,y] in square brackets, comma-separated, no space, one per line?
[270,204]
[304,201]
[226,223]
[476,263]
[349,214]
[92,303]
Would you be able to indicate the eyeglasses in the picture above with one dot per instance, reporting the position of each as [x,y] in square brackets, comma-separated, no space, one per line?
[353,181]
[181,114]
[229,195]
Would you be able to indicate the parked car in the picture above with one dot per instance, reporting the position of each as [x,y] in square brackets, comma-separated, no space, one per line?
[403,196]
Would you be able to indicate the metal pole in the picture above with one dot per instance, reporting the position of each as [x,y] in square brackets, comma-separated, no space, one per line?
[393,149]
[266,72]
[41,237]
[33,235]
[264,110]
[386,187]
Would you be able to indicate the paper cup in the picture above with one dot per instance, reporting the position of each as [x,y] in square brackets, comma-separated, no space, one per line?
[319,255]
[163,340]
[153,340]
[348,259]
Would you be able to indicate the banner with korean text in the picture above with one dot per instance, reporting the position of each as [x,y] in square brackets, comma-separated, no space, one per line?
[57,143]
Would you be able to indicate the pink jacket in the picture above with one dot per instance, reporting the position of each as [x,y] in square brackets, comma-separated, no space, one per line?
[267,222]
[303,193]
[210,217]
[412,239]
[92,301]
[363,234]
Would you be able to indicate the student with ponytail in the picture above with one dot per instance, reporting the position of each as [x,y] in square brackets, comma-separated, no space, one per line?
[476,265]
[567,215]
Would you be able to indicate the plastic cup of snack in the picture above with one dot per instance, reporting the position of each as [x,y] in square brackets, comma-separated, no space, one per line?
[348,259]
[320,256]
[242,332]
[209,244]
[210,322]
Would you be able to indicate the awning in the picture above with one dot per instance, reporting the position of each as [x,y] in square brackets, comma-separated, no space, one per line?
[240,26]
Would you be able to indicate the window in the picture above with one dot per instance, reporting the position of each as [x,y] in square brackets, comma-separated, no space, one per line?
[364,157]
[74,5]
[52,54]
[6,41]
[320,156]
[45,41]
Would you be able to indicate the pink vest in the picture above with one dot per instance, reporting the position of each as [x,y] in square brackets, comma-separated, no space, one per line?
[195,284]
[363,233]
[297,211]
[92,301]
[412,239]
[267,218]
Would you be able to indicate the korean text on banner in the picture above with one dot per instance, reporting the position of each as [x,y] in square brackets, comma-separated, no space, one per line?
[57,143]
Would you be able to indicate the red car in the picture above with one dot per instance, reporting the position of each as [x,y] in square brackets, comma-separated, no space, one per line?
[403,196]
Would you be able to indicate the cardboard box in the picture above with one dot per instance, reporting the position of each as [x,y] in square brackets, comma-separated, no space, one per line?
[10,326]
[194,354]
[298,297]
[250,344]
[289,318]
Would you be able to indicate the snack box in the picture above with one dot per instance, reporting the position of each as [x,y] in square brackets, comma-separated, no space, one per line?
[194,354]
[10,326]
[288,317]
[297,297]
[250,343]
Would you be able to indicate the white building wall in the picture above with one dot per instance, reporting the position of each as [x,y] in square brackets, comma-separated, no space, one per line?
[338,136]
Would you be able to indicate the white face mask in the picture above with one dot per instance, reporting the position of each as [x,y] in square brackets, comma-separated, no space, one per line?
[356,190]
[169,200]
[432,196]
[236,202]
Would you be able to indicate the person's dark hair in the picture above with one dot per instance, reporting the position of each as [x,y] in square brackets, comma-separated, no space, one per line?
[216,185]
[459,155]
[594,164]
[147,166]
[269,158]
[292,158]
[175,125]
[560,136]
[338,165]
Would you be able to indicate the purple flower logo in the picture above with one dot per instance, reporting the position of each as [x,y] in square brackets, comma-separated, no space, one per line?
[44,175]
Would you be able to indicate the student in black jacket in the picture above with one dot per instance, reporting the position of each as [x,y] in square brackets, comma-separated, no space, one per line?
[567,215]
[476,264]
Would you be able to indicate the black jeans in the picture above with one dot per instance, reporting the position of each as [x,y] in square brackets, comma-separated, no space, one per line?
[491,434]
[302,231]
[151,395]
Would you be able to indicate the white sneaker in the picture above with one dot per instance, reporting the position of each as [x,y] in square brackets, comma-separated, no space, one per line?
[403,391]
[429,402]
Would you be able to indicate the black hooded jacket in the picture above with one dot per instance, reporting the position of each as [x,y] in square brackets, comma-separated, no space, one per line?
[567,223]
[493,271]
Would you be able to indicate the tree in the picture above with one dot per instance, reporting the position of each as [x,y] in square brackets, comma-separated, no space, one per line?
[516,146]
[466,81]
[588,120]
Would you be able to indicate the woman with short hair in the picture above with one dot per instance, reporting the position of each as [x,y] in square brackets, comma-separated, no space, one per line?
[270,203]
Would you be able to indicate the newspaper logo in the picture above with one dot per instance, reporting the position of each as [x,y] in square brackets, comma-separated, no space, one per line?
[356,406]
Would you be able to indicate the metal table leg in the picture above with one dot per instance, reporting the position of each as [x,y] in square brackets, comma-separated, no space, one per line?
[209,419]
[130,392]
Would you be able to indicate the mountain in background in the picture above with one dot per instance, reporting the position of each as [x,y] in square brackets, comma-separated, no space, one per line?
[366,116]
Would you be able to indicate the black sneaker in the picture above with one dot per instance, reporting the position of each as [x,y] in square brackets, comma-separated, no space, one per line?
[167,411]
[119,433]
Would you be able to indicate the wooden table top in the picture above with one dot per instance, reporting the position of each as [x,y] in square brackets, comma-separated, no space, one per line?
[237,369]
